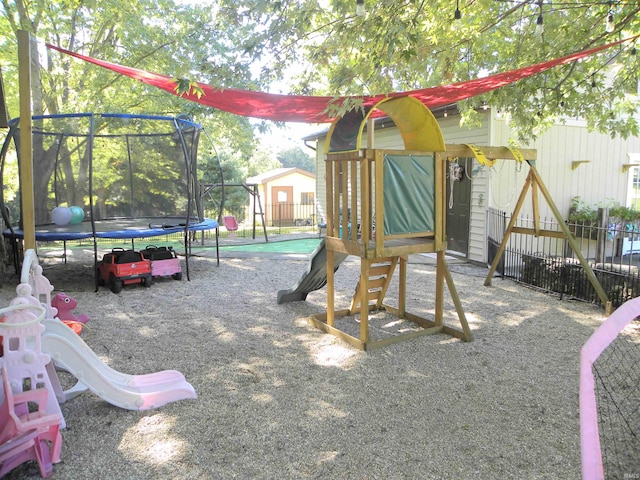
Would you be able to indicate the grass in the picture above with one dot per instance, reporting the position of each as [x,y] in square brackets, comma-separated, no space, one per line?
[301,246]
[297,246]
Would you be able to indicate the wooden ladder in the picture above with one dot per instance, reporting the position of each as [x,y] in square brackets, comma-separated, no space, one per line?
[379,272]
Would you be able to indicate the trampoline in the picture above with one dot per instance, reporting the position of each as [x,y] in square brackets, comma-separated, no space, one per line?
[124,176]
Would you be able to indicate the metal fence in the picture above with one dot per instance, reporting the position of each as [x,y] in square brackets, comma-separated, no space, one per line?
[611,248]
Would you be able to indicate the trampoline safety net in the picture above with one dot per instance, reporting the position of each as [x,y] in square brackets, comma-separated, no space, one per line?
[111,165]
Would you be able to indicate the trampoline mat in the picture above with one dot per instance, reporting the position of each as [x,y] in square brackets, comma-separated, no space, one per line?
[116,228]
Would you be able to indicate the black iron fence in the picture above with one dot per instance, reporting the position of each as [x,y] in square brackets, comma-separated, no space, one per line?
[611,248]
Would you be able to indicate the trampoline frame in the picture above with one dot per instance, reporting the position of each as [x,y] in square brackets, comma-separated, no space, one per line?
[193,221]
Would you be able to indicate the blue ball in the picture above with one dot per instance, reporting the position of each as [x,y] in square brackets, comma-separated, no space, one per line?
[77,215]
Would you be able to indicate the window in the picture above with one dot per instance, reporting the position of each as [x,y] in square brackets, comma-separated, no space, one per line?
[633,191]
[307,198]
[633,186]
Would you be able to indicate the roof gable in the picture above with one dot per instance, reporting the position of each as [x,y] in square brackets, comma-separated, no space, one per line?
[276,173]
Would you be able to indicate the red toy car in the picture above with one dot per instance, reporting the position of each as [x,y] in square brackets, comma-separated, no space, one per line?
[124,267]
[164,261]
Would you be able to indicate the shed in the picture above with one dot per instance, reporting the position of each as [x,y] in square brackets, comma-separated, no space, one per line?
[288,196]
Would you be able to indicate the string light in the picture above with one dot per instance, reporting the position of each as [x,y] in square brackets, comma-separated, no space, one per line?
[360,8]
[457,15]
[540,21]
[610,26]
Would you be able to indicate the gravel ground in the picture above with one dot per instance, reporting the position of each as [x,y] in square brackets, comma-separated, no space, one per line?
[278,399]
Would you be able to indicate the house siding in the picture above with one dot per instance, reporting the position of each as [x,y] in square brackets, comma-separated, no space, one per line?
[600,180]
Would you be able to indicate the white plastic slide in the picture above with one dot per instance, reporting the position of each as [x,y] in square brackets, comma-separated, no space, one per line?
[132,392]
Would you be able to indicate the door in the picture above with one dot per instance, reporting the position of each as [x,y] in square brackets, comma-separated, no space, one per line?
[282,206]
[458,206]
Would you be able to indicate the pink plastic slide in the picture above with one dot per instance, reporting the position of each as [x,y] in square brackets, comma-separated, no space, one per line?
[132,392]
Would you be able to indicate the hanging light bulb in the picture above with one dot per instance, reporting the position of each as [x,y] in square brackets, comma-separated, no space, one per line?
[457,15]
[360,8]
[539,25]
[610,26]
[445,114]
[540,21]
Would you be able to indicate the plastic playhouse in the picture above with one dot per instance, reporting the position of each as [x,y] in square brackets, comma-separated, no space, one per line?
[35,343]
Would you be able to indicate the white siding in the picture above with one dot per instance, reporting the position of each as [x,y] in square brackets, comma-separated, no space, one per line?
[600,180]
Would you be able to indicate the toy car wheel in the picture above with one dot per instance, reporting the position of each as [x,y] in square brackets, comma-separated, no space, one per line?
[116,285]
[99,277]
[177,276]
[147,280]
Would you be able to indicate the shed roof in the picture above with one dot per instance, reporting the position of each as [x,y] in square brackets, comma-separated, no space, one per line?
[278,173]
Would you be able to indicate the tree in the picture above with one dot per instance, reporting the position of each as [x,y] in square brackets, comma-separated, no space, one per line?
[409,44]
[263,160]
[157,35]
[296,157]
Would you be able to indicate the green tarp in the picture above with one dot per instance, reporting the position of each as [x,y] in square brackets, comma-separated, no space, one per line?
[409,193]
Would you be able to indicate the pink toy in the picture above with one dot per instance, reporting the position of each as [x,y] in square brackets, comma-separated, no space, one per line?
[29,432]
[65,304]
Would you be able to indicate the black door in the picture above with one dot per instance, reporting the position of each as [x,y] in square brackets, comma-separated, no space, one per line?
[458,206]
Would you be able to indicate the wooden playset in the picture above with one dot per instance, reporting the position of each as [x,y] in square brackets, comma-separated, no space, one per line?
[383,205]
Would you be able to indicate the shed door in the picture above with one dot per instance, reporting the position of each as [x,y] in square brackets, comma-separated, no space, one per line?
[458,211]
[282,207]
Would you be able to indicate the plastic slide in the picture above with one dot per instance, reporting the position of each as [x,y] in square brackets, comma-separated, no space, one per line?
[315,276]
[131,392]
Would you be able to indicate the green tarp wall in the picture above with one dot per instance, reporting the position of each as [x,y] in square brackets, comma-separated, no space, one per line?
[409,194]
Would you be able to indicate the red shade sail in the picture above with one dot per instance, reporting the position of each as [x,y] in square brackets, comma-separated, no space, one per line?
[312,109]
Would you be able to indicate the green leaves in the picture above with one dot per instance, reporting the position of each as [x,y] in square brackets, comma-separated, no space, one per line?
[185,86]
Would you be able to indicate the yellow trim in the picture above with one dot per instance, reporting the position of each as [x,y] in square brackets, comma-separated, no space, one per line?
[576,163]
[517,154]
[480,156]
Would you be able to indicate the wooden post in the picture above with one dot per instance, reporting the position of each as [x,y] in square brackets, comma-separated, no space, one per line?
[26,144]
[329,195]
[364,299]
[330,288]
[440,193]
[512,222]
[608,308]
[402,287]
[365,203]
[379,202]
[440,266]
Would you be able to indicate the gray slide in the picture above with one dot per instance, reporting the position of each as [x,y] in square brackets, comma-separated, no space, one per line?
[314,278]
